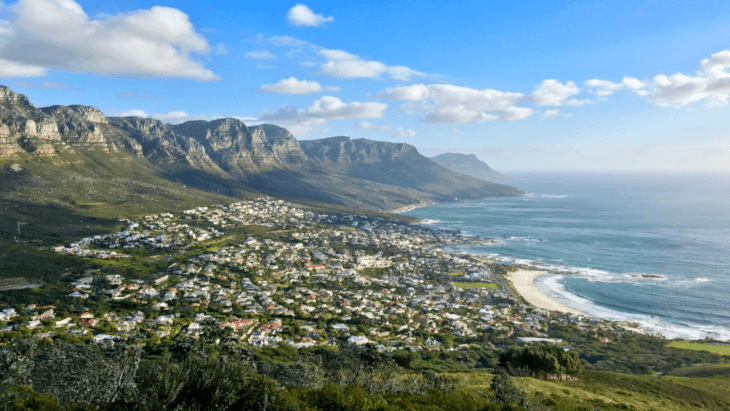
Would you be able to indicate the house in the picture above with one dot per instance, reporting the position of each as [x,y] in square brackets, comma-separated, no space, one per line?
[357,340]
[66,322]
[103,337]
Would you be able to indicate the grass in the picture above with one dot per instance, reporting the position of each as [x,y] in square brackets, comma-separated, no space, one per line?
[716,349]
[611,391]
[702,371]
[477,285]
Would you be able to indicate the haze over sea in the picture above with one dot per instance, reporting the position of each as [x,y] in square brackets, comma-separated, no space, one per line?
[650,248]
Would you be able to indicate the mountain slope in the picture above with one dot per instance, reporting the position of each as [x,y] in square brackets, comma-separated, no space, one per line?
[470,165]
[75,155]
[398,165]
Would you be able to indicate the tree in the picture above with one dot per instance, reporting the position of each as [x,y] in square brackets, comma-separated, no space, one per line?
[505,391]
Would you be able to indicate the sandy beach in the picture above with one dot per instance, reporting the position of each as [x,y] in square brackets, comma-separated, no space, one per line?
[522,282]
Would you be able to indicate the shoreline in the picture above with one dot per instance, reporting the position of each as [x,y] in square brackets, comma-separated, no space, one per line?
[408,208]
[522,281]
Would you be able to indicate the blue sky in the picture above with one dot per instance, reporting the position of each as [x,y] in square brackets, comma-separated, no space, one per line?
[528,85]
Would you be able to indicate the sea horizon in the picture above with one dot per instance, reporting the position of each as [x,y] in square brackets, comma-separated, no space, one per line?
[647,247]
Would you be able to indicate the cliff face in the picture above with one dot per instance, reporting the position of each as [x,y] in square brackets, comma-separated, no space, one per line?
[225,156]
[470,165]
[45,131]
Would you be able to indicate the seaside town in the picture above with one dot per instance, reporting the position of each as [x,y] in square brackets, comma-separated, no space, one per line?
[276,274]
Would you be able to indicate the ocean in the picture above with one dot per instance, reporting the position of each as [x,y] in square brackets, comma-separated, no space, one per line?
[648,248]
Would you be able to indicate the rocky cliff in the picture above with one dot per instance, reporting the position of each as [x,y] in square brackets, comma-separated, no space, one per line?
[227,157]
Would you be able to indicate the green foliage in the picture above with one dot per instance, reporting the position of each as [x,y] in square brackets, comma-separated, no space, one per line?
[23,398]
[715,349]
[549,361]
[638,354]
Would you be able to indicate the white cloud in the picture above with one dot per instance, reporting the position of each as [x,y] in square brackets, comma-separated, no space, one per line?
[551,92]
[456,131]
[147,43]
[14,69]
[551,113]
[179,116]
[342,64]
[337,55]
[49,85]
[711,85]
[127,113]
[604,88]
[327,108]
[404,133]
[332,108]
[446,103]
[260,55]
[172,117]
[302,16]
[292,86]
[370,126]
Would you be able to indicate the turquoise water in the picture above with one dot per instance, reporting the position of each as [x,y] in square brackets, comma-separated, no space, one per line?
[651,248]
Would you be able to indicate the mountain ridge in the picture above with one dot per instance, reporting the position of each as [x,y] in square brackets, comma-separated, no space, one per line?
[226,157]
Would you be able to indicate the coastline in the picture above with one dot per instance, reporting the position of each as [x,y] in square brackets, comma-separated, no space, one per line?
[522,280]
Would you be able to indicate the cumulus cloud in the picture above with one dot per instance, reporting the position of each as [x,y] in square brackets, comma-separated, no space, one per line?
[292,86]
[604,88]
[322,111]
[58,34]
[302,16]
[551,113]
[342,64]
[132,94]
[404,133]
[370,126]
[260,55]
[551,92]
[447,103]
[332,108]
[711,85]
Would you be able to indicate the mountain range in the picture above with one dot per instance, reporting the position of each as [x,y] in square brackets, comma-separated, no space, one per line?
[76,156]
[470,165]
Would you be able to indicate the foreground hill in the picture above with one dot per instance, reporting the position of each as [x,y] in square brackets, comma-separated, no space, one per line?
[75,155]
[470,165]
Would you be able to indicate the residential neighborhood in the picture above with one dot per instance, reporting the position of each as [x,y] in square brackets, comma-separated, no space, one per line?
[275,274]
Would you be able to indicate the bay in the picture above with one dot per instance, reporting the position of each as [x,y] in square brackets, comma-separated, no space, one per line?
[651,248]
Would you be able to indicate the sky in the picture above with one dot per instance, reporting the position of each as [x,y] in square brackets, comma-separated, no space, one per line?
[524,85]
